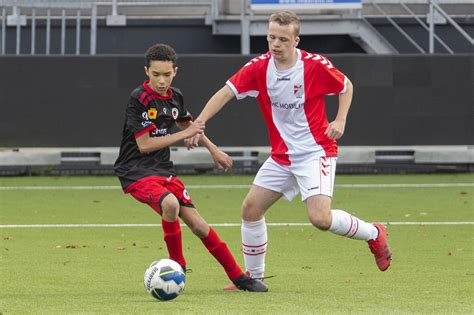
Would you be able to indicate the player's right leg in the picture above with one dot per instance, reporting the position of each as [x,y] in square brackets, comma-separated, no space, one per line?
[254,233]
[150,190]
[171,228]
[254,228]
[272,182]
[170,208]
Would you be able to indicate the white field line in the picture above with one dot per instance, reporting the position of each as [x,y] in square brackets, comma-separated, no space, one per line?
[435,185]
[15,226]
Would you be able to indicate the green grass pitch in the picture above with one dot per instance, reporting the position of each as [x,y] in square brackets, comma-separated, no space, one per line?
[99,270]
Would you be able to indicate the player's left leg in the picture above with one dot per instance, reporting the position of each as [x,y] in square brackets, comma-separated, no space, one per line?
[211,241]
[342,223]
[316,181]
[336,221]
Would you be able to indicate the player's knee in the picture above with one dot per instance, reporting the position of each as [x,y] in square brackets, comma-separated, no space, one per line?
[321,220]
[170,208]
[250,211]
[246,205]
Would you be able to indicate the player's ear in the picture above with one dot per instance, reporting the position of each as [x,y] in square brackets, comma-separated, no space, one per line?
[146,70]
[175,71]
[297,41]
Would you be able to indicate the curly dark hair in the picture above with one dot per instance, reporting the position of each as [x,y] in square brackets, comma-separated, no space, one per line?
[160,52]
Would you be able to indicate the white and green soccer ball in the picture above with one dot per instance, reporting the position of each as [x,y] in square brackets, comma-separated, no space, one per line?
[164,279]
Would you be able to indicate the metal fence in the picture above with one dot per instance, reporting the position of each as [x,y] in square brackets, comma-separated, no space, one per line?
[82,14]
[435,12]
[14,15]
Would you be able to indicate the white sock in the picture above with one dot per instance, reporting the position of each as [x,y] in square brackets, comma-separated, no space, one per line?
[347,225]
[254,246]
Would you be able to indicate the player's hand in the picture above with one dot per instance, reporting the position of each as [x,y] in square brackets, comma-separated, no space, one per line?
[194,128]
[193,142]
[188,143]
[336,129]
[222,161]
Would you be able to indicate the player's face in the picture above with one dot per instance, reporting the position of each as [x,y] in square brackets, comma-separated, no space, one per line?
[282,41]
[161,74]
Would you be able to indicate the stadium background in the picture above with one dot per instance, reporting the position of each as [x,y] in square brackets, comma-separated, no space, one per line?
[77,244]
[59,93]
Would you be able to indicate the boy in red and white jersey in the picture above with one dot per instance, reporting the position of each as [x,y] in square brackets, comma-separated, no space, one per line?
[290,85]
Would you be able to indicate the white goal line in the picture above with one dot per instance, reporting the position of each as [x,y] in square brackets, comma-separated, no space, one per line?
[114,187]
[7,226]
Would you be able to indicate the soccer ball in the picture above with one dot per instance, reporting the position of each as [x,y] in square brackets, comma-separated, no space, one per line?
[164,279]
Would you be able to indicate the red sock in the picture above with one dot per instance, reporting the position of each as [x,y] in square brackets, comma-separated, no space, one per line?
[219,250]
[173,240]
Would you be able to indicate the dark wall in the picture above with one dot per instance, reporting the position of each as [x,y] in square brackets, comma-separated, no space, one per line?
[80,101]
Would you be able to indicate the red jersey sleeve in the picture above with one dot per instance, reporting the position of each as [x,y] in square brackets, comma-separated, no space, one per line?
[244,82]
[329,80]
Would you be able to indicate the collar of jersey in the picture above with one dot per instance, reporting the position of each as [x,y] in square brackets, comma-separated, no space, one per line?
[289,70]
[161,97]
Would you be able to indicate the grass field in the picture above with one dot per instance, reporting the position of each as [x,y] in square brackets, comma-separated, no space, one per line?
[99,270]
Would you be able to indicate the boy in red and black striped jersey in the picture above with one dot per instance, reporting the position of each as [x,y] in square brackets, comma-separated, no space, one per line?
[146,172]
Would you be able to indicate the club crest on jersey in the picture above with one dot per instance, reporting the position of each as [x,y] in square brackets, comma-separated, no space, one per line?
[186,194]
[298,90]
[152,113]
[174,112]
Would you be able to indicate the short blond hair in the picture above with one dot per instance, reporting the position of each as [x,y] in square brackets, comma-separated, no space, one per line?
[286,18]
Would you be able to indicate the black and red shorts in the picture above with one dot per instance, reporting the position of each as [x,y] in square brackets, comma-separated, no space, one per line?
[153,189]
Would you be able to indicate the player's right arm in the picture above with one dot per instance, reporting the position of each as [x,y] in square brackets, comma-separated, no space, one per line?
[147,144]
[212,107]
[241,84]
[140,124]
[215,103]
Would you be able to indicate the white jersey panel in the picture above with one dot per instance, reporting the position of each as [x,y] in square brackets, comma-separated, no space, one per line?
[287,96]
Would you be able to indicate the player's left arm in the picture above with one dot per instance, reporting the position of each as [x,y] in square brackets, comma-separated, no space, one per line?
[222,161]
[336,128]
